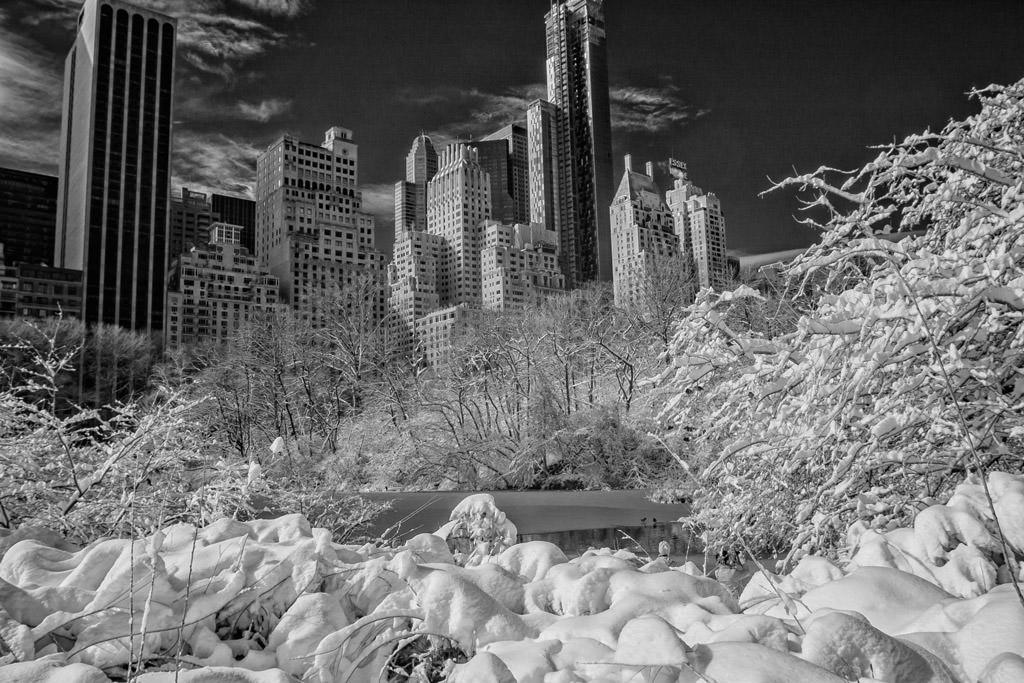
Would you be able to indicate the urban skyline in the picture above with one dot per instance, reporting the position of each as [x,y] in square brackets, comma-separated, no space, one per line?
[740,91]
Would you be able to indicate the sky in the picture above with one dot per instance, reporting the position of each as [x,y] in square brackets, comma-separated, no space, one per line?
[744,91]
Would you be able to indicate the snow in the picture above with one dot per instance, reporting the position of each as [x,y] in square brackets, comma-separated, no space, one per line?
[275,600]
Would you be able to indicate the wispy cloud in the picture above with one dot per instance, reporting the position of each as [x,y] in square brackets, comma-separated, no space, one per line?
[264,111]
[30,102]
[214,161]
[634,109]
[217,43]
[651,110]
[479,112]
[277,8]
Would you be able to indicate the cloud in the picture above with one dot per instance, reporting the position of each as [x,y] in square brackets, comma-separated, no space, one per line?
[214,162]
[650,110]
[480,112]
[264,111]
[217,44]
[633,109]
[30,102]
[379,199]
[210,38]
[277,8]
[52,12]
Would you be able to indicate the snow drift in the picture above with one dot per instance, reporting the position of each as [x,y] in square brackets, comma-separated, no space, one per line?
[273,601]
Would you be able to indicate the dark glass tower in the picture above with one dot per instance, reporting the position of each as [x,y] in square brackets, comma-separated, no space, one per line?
[577,75]
[503,154]
[112,204]
[28,212]
[237,211]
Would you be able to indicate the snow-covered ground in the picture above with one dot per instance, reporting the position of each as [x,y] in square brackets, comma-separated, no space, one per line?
[272,601]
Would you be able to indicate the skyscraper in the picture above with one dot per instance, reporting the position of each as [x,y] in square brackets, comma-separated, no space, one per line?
[412,273]
[700,224]
[546,194]
[643,235]
[413,283]
[504,155]
[215,289]
[191,217]
[518,265]
[411,193]
[577,78]
[458,203]
[115,151]
[237,211]
[311,231]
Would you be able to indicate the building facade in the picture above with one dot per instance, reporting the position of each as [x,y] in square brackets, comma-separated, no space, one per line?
[580,164]
[519,265]
[30,290]
[458,203]
[413,290]
[700,224]
[546,193]
[115,150]
[436,331]
[311,231]
[643,235]
[28,216]
[504,154]
[411,193]
[237,211]
[191,217]
[216,289]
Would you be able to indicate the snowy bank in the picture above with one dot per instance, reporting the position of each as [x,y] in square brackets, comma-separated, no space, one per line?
[274,601]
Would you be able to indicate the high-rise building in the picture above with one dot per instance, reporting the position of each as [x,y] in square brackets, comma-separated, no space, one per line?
[700,224]
[411,193]
[458,203]
[413,283]
[436,331]
[494,160]
[519,265]
[421,161]
[115,151]
[311,231]
[28,216]
[8,287]
[215,289]
[413,271]
[581,162]
[643,235]
[504,155]
[191,217]
[30,290]
[546,192]
[237,211]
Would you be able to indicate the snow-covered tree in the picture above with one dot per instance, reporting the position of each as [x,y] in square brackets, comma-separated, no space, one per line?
[904,375]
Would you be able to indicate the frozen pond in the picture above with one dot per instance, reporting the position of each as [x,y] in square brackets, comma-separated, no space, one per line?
[574,520]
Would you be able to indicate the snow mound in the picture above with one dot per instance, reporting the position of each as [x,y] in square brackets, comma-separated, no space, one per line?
[955,546]
[477,530]
[275,600]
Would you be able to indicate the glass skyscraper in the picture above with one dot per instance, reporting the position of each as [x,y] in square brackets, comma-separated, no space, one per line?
[577,78]
[112,204]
